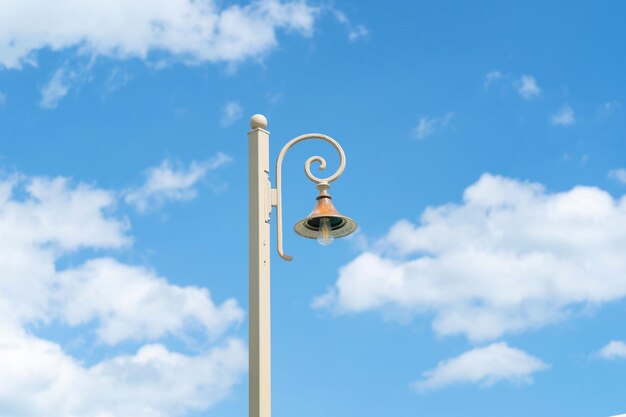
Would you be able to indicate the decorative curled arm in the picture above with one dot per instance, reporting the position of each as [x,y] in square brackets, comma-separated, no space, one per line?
[307,170]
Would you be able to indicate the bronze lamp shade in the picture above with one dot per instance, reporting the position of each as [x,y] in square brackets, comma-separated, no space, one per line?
[311,225]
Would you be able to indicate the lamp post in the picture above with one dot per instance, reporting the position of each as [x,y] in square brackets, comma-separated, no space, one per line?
[324,224]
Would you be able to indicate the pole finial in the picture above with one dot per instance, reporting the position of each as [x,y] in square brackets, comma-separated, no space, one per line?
[258,121]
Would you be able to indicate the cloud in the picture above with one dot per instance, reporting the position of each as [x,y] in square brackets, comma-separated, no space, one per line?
[490,78]
[355,32]
[429,126]
[116,79]
[3,99]
[64,79]
[485,366]
[55,89]
[615,349]
[358,32]
[618,175]
[509,258]
[91,293]
[564,117]
[231,112]
[153,382]
[527,87]
[44,222]
[275,98]
[185,30]
[166,183]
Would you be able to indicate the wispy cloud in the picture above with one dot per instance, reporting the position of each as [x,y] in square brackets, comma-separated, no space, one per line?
[116,79]
[358,32]
[231,112]
[429,126]
[355,31]
[274,98]
[55,89]
[527,87]
[615,349]
[490,78]
[484,366]
[3,99]
[167,183]
[564,117]
[618,174]
[66,78]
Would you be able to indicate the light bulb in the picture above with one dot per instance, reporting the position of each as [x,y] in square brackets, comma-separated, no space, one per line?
[325,236]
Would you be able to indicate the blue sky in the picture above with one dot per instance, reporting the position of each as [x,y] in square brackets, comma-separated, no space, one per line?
[486,170]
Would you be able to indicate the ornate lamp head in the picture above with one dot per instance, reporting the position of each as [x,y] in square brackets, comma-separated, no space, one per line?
[325,223]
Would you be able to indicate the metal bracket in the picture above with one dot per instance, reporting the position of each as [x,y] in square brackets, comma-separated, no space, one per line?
[268,199]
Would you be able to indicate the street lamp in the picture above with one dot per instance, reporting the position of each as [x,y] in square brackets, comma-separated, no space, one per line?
[325,223]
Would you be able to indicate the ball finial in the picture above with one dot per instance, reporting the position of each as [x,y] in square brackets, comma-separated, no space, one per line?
[258,121]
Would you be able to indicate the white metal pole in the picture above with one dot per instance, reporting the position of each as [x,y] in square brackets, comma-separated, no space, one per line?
[259,207]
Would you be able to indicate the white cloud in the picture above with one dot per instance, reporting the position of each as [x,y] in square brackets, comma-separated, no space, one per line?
[564,117]
[355,32]
[55,89]
[68,77]
[187,30]
[52,220]
[509,258]
[618,174]
[91,293]
[231,112]
[527,87]
[490,78]
[39,379]
[45,221]
[485,366]
[166,183]
[615,349]
[57,214]
[116,79]
[429,126]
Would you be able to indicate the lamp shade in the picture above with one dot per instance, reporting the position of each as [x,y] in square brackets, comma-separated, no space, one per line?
[340,225]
